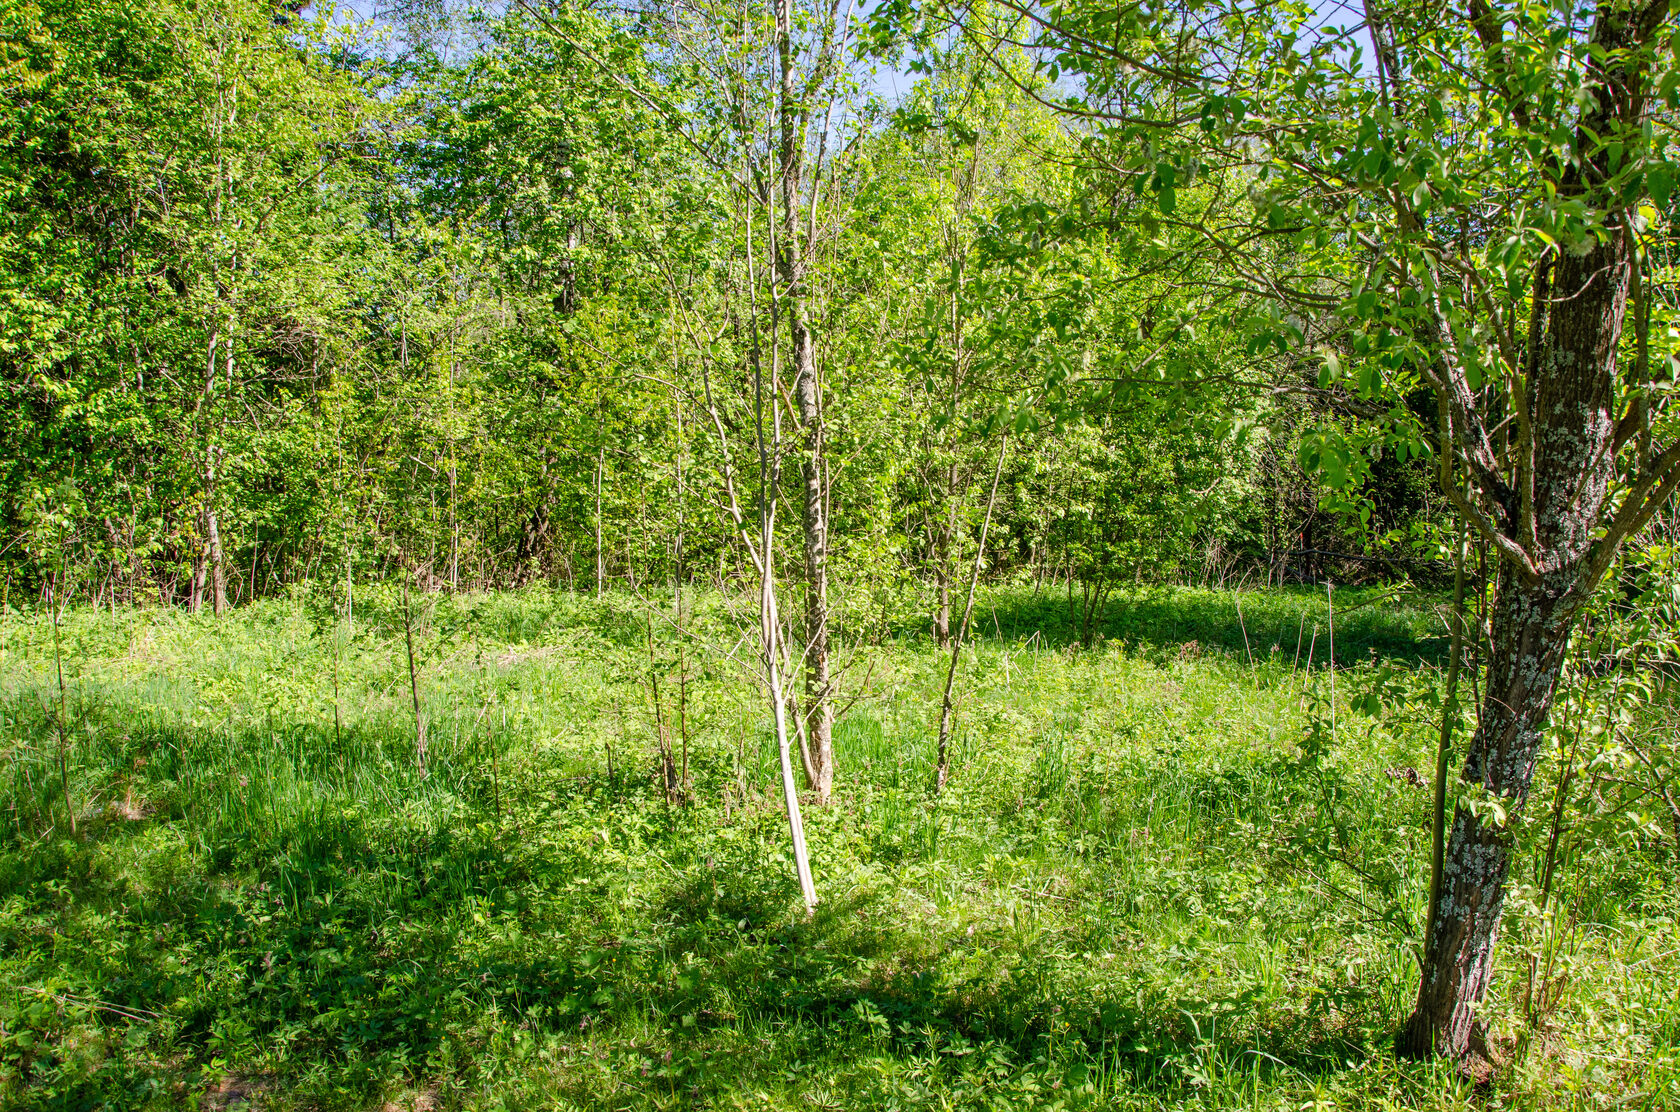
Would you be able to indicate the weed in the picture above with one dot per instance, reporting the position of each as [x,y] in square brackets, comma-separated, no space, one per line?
[1154,879]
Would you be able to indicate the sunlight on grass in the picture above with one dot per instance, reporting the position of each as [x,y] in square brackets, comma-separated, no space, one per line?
[1139,890]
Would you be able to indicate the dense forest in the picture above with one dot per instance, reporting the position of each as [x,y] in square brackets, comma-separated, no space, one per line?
[918,554]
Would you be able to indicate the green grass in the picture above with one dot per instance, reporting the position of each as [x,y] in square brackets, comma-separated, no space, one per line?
[1159,877]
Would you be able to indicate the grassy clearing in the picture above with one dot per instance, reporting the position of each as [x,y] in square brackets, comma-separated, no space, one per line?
[1169,872]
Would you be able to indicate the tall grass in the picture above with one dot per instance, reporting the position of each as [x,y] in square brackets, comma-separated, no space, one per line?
[1157,878]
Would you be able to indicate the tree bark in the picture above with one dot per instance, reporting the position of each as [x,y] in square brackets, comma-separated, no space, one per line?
[218,565]
[1534,612]
[1564,468]
[533,541]
[790,267]
[195,590]
[819,705]
[1531,625]
[213,534]
[600,565]
[942,542]
[942,592]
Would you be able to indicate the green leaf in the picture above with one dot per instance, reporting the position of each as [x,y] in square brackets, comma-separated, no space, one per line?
[1659,183]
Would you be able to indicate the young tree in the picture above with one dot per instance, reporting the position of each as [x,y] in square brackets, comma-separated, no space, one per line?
[806,98]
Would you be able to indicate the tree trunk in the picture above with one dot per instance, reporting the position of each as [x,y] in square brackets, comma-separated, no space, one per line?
[942,609]
[790,266]
[1552,554]
[218,565]
[600,565]
[533,542]
[769,622]
[1531,626]
[214,558]
[819,706]
[195,593]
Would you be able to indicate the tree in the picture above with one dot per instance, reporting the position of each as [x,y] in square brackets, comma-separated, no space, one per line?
[800,97]
[181,183]
[1451,225]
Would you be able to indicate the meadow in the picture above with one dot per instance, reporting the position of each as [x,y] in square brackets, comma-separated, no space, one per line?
[1175,867]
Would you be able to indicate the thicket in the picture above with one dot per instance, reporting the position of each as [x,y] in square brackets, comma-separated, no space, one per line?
[287,301]
[670,299]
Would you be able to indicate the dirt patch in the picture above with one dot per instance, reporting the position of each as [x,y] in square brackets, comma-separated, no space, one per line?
[235,1092]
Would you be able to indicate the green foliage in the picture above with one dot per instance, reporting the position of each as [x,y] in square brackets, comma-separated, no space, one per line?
[1169,870]
[280,300]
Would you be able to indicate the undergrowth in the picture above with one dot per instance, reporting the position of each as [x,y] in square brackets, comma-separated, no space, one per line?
[1171,869]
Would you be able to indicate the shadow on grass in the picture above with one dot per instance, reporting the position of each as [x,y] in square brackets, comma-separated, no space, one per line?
[330,946]
[865,979]
[304,901]
[1279,621]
